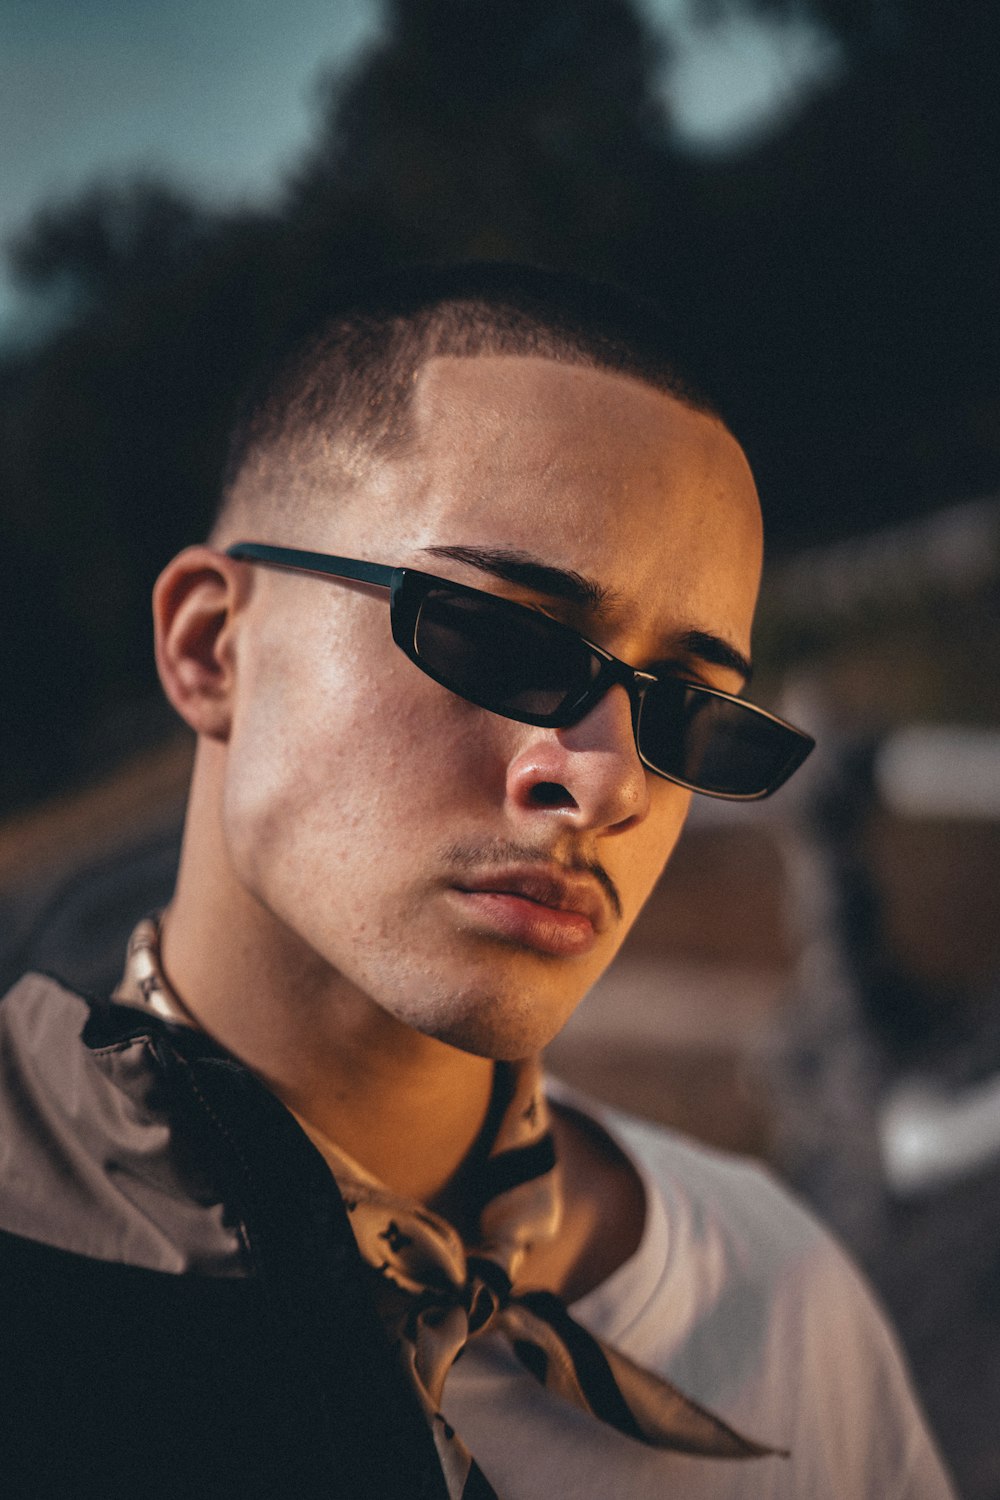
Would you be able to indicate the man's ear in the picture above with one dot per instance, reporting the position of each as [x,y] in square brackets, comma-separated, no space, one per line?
[195,603]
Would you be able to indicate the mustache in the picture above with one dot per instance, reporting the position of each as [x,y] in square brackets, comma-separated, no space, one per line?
[501,852]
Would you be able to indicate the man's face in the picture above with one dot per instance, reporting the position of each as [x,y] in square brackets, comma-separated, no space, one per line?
[468,874]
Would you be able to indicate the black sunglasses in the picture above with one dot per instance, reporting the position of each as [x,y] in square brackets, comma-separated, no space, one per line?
[517,662]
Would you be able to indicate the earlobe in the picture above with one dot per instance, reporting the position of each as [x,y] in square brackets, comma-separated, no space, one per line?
[194,606]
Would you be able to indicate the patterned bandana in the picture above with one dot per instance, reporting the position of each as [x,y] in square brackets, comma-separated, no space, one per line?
[435,1293]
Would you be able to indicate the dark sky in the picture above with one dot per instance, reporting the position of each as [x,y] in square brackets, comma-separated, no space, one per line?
[218,94]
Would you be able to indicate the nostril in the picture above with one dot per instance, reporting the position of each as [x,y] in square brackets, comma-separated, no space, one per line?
[551,794]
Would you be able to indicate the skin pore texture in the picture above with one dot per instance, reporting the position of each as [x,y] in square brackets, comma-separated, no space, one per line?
[334,923]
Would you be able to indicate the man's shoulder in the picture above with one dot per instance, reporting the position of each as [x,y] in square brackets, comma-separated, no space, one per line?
[46,1069]
[708,1193]
[744,1299]
[41,1059]
[87,1163]
[38,993]
[60,1115]
[722,1231]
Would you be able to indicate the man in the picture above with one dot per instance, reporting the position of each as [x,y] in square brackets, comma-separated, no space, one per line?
[466,637]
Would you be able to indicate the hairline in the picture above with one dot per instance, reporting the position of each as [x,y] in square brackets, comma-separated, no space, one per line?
[349,420]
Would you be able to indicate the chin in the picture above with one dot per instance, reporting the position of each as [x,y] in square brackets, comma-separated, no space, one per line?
[500,1027]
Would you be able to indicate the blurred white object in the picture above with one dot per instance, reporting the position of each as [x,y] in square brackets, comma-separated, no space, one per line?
[937,771]
[930,1137]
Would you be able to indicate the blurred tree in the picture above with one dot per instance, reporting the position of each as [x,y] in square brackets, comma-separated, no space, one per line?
[110,440]
[489,130]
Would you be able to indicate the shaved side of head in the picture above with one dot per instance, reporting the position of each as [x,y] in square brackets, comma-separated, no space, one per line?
[339,403]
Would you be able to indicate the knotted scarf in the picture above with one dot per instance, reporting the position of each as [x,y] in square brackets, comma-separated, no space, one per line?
[436,1294]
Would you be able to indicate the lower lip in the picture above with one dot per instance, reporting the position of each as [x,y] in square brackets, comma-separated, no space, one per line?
[546,929]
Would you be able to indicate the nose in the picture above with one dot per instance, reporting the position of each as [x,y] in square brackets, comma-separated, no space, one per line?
[589,775]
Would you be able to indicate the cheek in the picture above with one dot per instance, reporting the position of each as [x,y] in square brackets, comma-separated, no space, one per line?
[653,844]
[352,767]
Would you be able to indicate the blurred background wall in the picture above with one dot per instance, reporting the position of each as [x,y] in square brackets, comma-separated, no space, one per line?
[810,189]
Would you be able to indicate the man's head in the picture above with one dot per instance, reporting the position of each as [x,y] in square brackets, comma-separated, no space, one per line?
[341,403]
[469,874]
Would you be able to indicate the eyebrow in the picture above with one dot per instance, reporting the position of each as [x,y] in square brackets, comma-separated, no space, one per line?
[566,583]
[712,648]
[520,568]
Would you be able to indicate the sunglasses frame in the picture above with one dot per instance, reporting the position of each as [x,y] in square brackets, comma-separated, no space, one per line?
[408,588]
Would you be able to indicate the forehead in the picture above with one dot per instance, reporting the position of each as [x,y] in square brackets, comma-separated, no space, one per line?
[580,468]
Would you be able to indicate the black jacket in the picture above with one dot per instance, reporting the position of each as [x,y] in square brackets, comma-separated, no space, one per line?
[183,1310]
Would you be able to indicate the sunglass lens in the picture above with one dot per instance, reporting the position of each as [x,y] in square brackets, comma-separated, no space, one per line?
[503,656]
[714,744]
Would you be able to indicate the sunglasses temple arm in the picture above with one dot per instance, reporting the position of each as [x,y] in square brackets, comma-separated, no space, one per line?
[313,562]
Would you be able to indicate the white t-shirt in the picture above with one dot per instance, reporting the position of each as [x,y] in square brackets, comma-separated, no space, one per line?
[738,1296]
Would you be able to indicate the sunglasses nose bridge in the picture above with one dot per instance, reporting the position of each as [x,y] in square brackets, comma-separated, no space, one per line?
[618,673]
[637,685]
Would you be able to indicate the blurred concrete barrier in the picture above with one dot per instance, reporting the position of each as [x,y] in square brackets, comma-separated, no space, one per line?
[940,771]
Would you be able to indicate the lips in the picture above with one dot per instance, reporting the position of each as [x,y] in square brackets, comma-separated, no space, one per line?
[542,909]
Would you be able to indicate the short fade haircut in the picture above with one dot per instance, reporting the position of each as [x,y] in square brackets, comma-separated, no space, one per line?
[345,390]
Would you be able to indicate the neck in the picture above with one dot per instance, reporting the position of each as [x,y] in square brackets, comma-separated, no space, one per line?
[406,1106]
